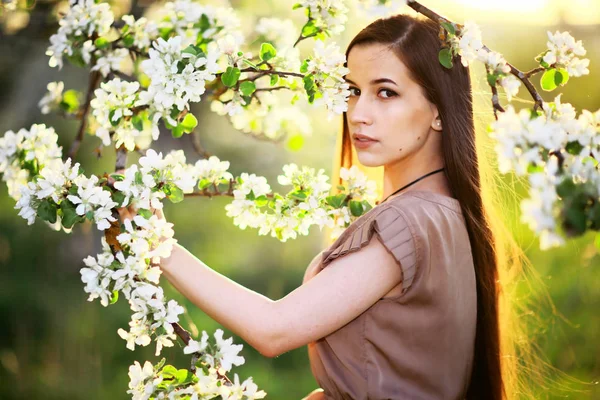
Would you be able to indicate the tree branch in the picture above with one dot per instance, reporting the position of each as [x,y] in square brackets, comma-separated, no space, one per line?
[523,77]
[95,78]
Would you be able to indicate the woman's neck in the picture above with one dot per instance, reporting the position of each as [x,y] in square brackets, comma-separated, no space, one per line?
[402,173]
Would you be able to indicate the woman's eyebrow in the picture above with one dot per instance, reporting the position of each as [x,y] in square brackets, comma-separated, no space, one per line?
[375,81]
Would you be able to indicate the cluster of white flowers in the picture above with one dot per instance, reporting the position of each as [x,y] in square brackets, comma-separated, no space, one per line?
[152,315]
[52,98]
[563,52]
[144,187]
[176,77]
[522,141]
[468,44]
[84,18]
[207,382]
[328,15]
[380,8]
[213,170]
[26,152]
[305,205]
[142,30]
[186,18]
[110,60]
[326,65]
[269,117]
[112,109]
[540,210]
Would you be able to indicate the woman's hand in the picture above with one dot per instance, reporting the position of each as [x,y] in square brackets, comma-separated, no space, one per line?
[317,394]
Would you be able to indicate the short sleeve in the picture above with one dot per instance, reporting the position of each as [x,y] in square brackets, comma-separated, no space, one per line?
[394,233]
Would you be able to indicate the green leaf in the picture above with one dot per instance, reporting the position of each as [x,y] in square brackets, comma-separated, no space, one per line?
[298,195]
[356,208]
[295,143]
[575,220]
[336,201]
[230,76]
[561,77]
[114,297]
[117,177]
[296,6]
[565,188]
[247,88]
[261,201]
[174,193]
[118,197]
[139,178]
[111,114]
[177,132]
[449,27]
[89,215]
[574,148]
[69,216]
[267,51]
[304,66]
[184,376]
[204,22]
[533,169]
[548,80]
[101,43]
[191,49]
[274,79]
[445,57]
[137,122]
[204,183]
[128,40]
[70,101]
[145,213]
[310,29]
[169,371]
[492,79]
[47,210]
[366,205]
[189,122]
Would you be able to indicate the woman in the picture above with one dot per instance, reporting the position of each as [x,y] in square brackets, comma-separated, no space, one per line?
[413,314]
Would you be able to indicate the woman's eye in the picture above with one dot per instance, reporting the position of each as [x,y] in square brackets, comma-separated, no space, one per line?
[388,93]
[354,91]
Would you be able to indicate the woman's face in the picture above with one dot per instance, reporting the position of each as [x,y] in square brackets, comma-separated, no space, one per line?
[387,106]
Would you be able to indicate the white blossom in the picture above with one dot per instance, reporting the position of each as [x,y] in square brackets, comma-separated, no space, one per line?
[52,98]
[84,18]
[328,15]
[563,52]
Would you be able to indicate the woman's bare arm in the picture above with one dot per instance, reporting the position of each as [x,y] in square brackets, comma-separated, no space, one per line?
[331,299]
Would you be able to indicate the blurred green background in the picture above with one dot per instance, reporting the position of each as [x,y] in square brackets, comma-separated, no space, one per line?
[56,345]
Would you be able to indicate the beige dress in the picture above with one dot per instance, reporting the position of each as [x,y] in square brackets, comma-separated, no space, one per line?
[417,341]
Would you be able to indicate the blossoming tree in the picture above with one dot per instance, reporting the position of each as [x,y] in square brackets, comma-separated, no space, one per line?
[146,72]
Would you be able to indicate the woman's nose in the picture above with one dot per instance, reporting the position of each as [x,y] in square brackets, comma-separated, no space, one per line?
[359,112]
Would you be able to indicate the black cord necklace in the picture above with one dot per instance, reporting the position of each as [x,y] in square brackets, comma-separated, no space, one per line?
[413,182]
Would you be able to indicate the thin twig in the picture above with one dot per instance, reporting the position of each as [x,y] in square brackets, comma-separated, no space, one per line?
[198,146]
[95,78]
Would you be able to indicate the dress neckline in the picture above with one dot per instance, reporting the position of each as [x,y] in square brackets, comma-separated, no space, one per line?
[448,201]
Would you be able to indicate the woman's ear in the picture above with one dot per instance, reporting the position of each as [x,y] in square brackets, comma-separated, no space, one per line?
[436,123]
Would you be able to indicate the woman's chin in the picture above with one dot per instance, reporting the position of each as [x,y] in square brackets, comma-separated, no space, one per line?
[367,159]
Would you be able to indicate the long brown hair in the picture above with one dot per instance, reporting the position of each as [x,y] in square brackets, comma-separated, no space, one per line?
[416,43]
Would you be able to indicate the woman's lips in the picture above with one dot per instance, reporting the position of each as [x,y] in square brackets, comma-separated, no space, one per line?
[362,142]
